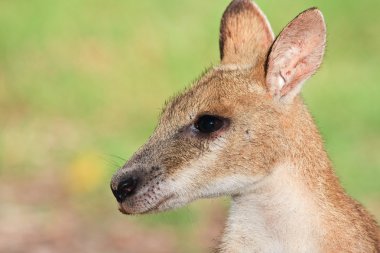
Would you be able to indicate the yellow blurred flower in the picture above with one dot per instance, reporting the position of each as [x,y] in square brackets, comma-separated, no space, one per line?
[85,173]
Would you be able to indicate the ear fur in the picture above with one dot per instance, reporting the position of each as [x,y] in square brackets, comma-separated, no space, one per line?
[296,54]
[245,33]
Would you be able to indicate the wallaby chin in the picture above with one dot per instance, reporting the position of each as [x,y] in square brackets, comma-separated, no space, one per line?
[242,130]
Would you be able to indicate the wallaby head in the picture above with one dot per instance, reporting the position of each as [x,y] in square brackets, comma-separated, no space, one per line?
[229,129]
[242,130]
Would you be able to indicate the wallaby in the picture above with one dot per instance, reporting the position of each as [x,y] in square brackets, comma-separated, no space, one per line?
[242,130]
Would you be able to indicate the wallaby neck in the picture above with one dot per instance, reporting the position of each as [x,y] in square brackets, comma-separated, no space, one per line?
[300,206]
[277,215]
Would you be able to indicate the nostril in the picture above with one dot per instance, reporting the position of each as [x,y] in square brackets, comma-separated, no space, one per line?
[128,186]
[125,189]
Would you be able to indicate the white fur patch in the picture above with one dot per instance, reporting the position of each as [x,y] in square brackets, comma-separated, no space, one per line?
[276,215]
[228,185]
[184,184]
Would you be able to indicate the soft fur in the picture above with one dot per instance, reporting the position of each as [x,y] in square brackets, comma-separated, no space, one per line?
[269,157]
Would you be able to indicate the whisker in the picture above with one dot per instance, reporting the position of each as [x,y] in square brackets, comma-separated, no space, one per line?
[118,157]
[109,159]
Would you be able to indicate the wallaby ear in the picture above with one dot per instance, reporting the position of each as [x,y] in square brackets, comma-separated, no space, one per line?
[296,54]
[245,33]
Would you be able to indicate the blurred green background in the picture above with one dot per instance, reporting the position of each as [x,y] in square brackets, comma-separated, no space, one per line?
[82,84]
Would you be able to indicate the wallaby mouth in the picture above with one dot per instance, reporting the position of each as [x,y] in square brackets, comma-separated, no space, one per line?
[156,208]
[139,190]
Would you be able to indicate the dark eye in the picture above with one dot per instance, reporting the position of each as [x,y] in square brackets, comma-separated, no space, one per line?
[207,124]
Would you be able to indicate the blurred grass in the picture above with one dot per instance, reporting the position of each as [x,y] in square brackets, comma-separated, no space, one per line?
[86,77]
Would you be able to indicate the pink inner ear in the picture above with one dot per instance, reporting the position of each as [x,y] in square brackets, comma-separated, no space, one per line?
[301,66]
[296,54]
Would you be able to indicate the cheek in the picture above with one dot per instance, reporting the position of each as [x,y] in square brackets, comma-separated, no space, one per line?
[198,170]
[252,152]
[179,153]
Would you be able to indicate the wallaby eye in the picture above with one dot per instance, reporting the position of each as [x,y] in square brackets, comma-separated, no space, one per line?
[207,124]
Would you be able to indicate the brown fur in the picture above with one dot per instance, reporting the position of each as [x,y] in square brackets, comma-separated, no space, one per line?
[261,133]
[234,36]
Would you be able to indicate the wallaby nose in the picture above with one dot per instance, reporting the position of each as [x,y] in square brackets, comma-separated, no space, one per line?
[125,188]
